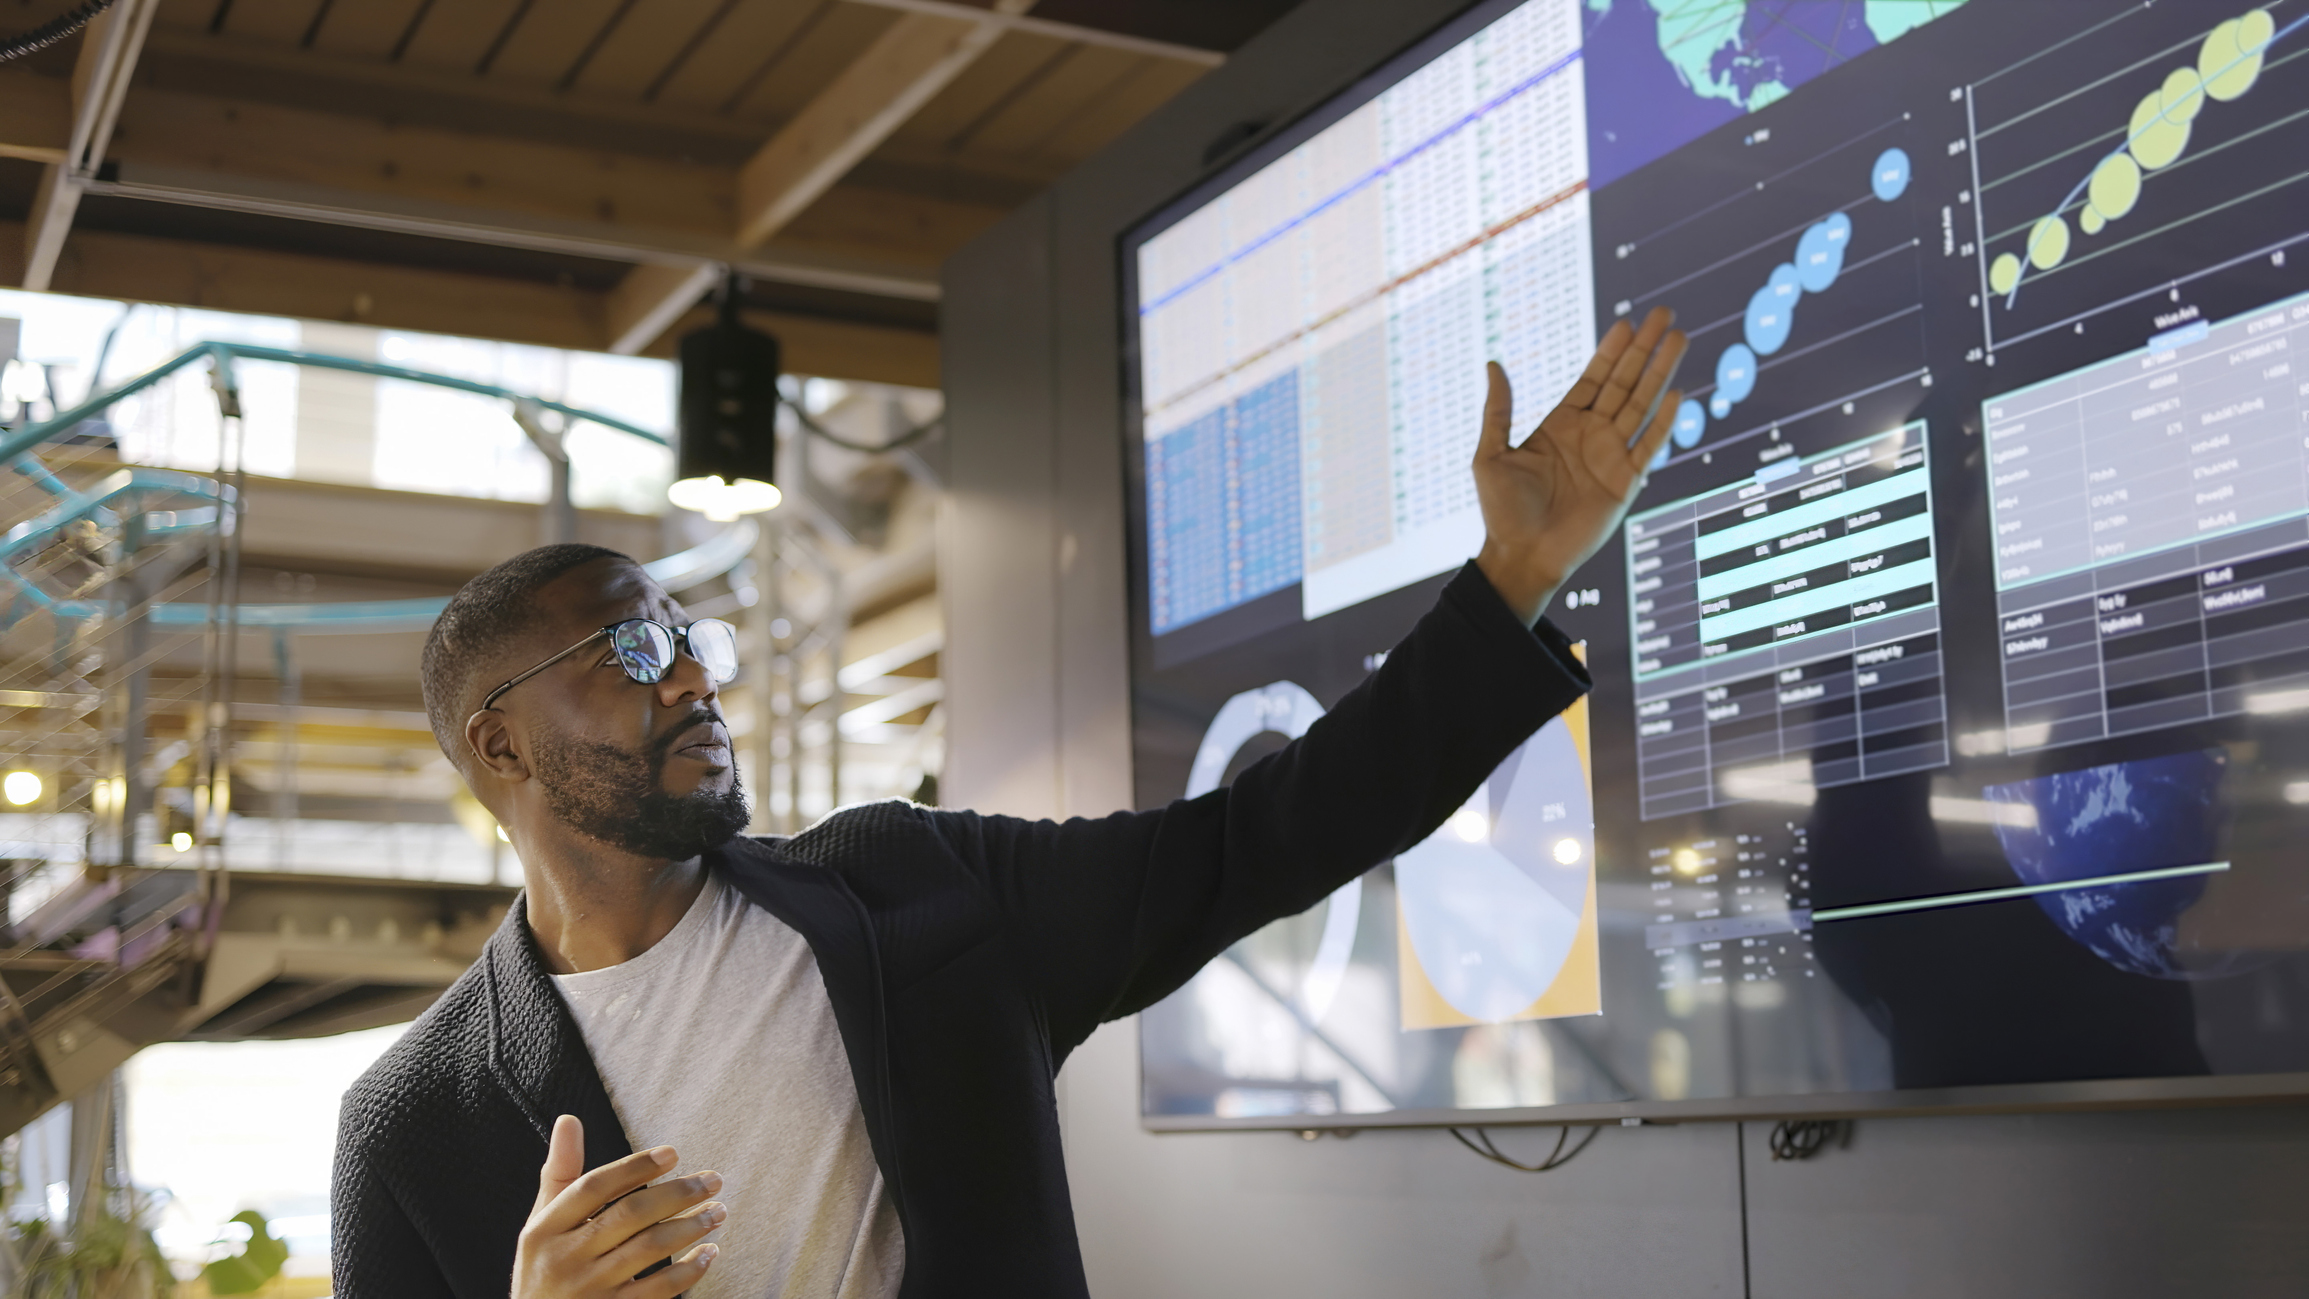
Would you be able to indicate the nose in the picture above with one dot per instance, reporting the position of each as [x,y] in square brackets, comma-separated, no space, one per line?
[686,682]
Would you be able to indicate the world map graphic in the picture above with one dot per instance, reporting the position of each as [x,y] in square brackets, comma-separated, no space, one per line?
[1661,73]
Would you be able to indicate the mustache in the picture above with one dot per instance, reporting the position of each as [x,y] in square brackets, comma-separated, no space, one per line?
[695,717]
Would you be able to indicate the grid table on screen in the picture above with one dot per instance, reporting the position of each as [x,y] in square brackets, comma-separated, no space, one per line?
[1346,296]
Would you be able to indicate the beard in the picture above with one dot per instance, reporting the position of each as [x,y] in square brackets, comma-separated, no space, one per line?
[618,796]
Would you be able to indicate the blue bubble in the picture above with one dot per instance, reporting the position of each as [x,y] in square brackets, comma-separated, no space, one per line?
[1735,377]
[1690,423]
[1720,406]
[1820,253]
[1658,460]
[1890,175]
[1772,312]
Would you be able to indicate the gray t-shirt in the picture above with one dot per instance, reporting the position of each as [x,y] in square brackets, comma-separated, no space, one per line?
[720,1042]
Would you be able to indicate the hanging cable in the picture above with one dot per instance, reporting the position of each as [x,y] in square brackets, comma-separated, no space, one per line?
[52,31]
[1483,1146]
[1804,1138]
[907,438]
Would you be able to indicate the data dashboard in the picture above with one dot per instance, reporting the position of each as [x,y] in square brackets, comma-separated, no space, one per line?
[1950,725]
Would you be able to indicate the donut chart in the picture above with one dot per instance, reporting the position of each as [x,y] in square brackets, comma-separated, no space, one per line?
[1497,907]
[1285,708]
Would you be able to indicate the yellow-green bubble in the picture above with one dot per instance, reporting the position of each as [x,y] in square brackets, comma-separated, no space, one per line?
[2048,243]
[2004,273]
[2230,60]
[2116,186]
[2090,222]
[2156,139]
[2184,95]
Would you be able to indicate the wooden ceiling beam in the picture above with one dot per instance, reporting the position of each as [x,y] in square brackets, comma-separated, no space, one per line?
[138,268]
[264,159]
[908,64]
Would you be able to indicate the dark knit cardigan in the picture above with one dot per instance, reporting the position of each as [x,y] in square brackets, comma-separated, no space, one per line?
[965,956]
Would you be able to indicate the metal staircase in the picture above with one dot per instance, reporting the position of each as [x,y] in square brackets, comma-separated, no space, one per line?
[120,614]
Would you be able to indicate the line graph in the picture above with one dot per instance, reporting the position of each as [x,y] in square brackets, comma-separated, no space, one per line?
[2163,172]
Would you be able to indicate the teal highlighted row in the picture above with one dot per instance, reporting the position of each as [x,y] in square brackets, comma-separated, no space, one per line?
[1834,505]
[1851,591]
[1841,550]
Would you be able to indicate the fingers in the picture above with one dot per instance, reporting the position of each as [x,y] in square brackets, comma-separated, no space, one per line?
[1658,373]
[1631,362]
[1655,436]
[683,1274]
[1498,411]
[1599,367]
[583,1197]
[564,1159]
[637,1213]
[664,1239]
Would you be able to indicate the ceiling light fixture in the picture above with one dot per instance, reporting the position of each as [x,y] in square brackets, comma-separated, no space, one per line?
[726,458]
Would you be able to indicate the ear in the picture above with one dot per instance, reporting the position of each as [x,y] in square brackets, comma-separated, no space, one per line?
[490,739]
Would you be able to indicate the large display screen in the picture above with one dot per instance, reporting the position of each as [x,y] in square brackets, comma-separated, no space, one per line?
[1950,738]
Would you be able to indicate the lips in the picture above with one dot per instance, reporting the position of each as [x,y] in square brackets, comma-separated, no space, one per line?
[701,737]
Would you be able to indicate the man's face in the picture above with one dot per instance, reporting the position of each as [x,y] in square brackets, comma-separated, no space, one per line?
[645,768]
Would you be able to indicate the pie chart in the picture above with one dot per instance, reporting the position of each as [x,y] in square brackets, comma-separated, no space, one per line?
[1495,901]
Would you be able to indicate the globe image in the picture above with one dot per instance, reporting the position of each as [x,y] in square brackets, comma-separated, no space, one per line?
[2146,815]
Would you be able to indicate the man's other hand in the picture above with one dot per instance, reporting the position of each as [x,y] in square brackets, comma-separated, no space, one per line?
[590,1233]
[1549,503]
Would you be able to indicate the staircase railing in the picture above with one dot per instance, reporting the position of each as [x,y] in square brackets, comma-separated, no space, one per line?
[100,584]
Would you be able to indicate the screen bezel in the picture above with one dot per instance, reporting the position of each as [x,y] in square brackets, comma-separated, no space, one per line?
[2012,1098]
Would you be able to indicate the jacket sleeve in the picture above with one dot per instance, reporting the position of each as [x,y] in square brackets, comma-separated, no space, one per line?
[1111,915]
[375,1251]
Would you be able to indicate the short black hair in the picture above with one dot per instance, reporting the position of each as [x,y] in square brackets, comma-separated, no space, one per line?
[484,616]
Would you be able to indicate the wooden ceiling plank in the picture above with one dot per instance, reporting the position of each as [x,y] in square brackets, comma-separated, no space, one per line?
[1044,107]
[365,29]
[651,36]
[184,15]
[716,71]
[907,65]
[453,36]
[785,80]
[275,22]
[1025,22]
[996,75]
[904,68]
[547,41]
[1097,124]
[35,116]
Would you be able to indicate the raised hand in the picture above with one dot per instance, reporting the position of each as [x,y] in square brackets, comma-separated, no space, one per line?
[590,1233]
[1549,503]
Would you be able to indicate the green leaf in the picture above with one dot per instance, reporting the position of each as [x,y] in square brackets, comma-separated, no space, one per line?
[258,1262]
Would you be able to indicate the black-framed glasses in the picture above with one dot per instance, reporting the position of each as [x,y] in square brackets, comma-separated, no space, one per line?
[645,648]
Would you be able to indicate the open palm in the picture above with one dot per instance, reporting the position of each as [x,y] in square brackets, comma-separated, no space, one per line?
[1549,503]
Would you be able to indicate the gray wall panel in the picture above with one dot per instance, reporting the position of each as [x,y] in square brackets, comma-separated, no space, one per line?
[997,541]
[1032,567]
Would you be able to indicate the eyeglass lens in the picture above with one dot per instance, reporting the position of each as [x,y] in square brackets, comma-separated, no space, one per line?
[645,649]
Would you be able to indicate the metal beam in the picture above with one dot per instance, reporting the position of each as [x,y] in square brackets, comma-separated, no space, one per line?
[1075,32]
[108,50]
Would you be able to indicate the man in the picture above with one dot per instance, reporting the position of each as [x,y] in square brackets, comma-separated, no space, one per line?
[858,1028]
